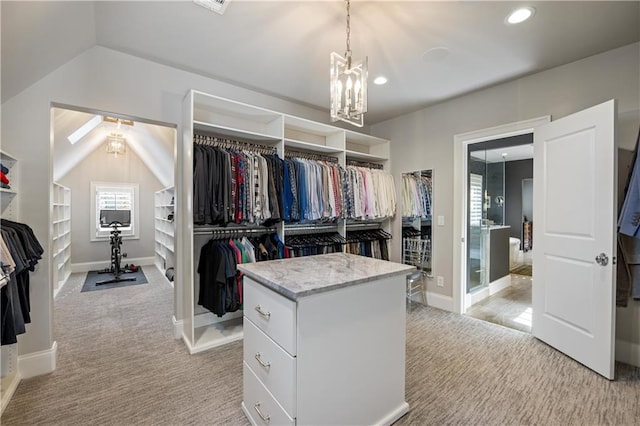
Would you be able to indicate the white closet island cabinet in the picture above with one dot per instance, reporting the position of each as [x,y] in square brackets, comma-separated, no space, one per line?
[324,340]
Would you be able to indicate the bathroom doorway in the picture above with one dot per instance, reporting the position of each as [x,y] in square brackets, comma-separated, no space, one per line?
[499,231]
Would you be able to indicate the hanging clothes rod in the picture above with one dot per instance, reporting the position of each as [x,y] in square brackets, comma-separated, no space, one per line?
[310,156]
[366,164]
[220,142]
[209,230]
[369,225]
[306,229]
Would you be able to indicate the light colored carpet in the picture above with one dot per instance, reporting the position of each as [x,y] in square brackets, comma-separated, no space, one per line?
[118,364]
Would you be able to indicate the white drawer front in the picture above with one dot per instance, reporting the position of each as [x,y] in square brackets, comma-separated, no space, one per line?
[259,404]
[272,313]
[275,368]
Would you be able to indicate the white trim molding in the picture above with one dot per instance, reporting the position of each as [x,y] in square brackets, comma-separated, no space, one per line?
[628,352]
[38,363]
[440,301]
[178,327]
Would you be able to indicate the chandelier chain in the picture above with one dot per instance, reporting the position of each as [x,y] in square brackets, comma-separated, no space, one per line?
[348,27]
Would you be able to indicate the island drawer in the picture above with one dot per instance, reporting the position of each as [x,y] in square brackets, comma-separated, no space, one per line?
[275,368]
[272,313]
[258,403]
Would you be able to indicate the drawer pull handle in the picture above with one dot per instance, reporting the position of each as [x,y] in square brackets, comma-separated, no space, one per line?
[262,363]
[262,416]
[267,315]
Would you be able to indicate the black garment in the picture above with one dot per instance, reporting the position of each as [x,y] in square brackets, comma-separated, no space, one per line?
[25,251]
[217,267]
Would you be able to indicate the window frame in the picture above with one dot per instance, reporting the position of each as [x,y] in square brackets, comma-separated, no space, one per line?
[101,234]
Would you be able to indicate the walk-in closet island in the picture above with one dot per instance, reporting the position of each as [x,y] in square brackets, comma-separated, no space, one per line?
[324,340]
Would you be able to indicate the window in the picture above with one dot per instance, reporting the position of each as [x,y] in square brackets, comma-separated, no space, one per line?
[475,207]
[114,202]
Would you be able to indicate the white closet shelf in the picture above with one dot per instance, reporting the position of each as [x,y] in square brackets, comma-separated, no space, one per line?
[307,146]
[232,133]
[8,191]
[228,107]
[212,335]
[212,115]
[364,156]
[164,220]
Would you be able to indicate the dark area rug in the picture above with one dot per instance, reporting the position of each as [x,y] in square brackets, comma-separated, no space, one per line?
[523,270]
[93,277]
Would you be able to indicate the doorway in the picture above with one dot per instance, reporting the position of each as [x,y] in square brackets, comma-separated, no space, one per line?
[499,257]
[113,163]
[480,207]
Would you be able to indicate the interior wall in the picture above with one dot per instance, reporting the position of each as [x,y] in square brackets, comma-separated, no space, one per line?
[514,172]
[103,80]
[424,139]
[100,166]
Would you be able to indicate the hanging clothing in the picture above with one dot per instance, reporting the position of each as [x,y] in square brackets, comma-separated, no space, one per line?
[313,191]
[20,251]
[236,186]
[629,220]
[369,193]
[370,243]
[220,282]
[416,196]
[312,244]
[628,269]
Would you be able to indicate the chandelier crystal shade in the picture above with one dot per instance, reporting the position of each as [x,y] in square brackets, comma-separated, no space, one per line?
[348,84]
[116,144]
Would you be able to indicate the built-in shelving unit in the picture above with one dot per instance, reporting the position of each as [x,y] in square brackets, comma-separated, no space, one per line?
[9,374]
[61,235]
[204,113]
[164,213]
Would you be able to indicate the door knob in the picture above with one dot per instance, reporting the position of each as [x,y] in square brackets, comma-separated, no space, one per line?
[602,259]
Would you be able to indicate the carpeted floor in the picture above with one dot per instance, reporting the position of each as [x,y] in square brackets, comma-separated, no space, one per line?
[118,364]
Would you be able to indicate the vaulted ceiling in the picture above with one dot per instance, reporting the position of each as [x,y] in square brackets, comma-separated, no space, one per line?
[282,47]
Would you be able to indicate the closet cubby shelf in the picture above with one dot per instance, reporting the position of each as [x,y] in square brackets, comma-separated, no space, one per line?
[61,235]
[164,229]
[364,156]
[232,133]
[9,374]
[216,116]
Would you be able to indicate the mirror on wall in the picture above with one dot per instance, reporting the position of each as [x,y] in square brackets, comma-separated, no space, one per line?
[417,210]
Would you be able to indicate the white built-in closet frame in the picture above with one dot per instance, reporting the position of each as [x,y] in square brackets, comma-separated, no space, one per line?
[211,114]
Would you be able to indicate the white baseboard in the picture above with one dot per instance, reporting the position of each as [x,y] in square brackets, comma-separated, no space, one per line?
[491,289]
[439,301]
[628,352]
[92,266]
[499,284]
[178,327]
[38,363]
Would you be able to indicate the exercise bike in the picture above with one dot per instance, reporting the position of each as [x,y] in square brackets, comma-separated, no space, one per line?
[115,240]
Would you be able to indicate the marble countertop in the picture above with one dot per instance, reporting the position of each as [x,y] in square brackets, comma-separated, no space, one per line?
[301,276]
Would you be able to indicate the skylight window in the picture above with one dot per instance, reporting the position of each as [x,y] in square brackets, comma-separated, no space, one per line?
[83,130]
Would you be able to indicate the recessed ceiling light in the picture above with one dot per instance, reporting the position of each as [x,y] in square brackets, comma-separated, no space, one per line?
[520,15]
[435,54]
[380,80]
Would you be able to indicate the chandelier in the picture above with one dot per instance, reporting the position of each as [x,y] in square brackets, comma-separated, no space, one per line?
[116,144]
[348,84]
